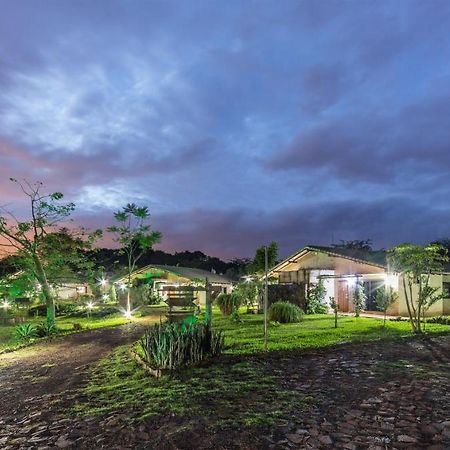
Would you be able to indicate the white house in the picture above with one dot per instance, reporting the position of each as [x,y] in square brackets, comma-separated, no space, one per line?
[339,269]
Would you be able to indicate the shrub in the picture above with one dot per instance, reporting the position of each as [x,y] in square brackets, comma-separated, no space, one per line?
[77,327]
[228,303]
[25,332]
[443,320]
[45,329]
[285,312]
[248,292]
[359,298]
[103,312]
[316,299]
[64,309]
[172,346]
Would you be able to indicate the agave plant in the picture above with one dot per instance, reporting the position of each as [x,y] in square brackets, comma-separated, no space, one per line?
[25,331]
[171,346]
[45,329]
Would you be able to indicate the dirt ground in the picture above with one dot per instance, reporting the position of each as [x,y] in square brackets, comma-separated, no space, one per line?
[371,396]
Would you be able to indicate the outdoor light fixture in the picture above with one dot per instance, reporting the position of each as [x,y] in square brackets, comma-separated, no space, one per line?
[5,304]
[391,281]
[102,282]
[105,296]
[127,314]
[89,305]
[122,286]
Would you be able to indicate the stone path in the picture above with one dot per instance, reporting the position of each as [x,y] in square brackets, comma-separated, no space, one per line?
[370,396]
[38,383]
[375,396]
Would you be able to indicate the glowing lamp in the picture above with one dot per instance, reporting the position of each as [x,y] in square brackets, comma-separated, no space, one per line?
[391,281]
[6,305]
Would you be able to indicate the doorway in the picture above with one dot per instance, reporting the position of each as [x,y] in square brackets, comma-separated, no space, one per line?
[343,296]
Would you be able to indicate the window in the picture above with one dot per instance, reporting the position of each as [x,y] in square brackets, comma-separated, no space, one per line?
[446,289]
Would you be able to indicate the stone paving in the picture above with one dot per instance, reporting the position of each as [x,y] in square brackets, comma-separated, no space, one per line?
[372,396]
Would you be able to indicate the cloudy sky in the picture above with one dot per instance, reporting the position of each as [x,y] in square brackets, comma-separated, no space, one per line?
[236,122]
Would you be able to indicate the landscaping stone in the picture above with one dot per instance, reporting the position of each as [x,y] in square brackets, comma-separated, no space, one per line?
[295,438]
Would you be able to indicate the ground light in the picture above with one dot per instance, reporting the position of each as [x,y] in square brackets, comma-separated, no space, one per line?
[102,282]
[127,313]
[89,307]
[5,305]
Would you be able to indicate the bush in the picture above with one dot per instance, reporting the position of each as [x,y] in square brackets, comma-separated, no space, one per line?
[102,312]
[44,329]
[172,346]
[443,320]
[285,312]
[316,299]
[61,309]
[25,332]
[228,303]
[64,309]
[77,327]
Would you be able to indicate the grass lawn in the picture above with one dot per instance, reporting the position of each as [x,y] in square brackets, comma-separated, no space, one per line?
[219,391]
[65,324]
[314,331]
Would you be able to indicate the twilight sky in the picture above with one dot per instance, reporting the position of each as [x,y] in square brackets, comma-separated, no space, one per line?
[236,122]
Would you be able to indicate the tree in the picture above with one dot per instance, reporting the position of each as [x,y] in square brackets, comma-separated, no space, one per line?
[258,264]
[384,298]
[415,264]
[44,250]
[134,235]
[359,298]
[248,291]
[316,299]
[364,245]
[335,307]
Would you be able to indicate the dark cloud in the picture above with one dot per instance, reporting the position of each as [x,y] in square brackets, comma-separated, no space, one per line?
[236,122]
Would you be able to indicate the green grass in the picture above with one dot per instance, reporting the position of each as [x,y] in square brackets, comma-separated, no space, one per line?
[314,331]
[228,392]
[8,340]
[241,388]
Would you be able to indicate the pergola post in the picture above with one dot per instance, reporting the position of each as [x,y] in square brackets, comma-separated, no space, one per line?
[208,309]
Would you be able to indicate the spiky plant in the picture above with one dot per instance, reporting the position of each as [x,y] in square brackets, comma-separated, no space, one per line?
[25,331]
[171,346]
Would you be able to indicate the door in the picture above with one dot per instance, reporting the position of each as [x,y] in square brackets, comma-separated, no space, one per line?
[343,295]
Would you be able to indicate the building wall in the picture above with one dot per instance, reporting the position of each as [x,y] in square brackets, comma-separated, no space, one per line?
[72,291]
[316,262]
[441,307]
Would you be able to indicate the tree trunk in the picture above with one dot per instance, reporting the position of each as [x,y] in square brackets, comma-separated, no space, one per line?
[46,290]
[411,318]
